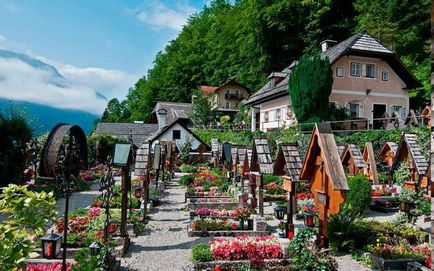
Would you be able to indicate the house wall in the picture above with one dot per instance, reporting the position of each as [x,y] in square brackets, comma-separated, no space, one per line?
[221,100]
[271,107]
[350,89]
[168,136]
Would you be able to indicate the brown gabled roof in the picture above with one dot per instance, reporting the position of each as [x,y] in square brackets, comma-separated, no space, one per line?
[388,146]
[288,161]
[323,143]
[242,155]
[208,89]
[409,146]
[234,155]
[231,82]
[369,158]
[261,156]
[143,159]
[353,151]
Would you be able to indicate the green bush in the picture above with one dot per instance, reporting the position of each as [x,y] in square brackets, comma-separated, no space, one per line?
[188,169]
[347,232]
[201,253]
[358,198]
[81,185]
[266,179]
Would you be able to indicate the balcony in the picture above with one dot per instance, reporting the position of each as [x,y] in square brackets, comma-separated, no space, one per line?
[234,96]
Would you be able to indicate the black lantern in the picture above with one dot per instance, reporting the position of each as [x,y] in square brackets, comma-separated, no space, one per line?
[94,249]
[279,212]
[230,174]
[308,219]
[51,244]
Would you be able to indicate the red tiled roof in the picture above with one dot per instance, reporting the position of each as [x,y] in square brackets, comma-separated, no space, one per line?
[208,89]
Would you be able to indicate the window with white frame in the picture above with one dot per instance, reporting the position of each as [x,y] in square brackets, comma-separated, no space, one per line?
[370,71]
[339,71]
[398,109]
[385,76]
[266,116]
[354,110]
[278,116]
[355,69]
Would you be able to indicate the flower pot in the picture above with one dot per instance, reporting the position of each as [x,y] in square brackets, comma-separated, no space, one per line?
[308,220]
[406,206]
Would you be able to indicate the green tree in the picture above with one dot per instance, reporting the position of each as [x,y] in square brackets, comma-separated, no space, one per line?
[15,134]
[202,113]
[310,86]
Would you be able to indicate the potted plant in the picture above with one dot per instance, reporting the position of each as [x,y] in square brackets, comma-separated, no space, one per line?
[281,227]
[408,198]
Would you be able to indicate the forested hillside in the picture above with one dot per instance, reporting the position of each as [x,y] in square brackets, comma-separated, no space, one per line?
[249,39]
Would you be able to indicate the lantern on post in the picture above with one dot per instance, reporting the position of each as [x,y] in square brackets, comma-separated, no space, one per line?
[308,219]
[138,192]
[279,212]
[94,249]
[51,244]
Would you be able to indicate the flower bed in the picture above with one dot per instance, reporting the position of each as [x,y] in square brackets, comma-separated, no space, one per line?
[56,266]
[212,200]
[385,204]
[245,247]
[383,191]
[237,214]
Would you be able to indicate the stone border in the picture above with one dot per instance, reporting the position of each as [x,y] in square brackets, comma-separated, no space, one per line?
[233,264]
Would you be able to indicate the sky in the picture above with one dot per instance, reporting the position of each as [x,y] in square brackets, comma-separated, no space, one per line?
[98,47]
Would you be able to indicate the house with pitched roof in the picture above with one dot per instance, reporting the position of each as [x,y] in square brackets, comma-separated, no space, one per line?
[368,79]
[227,97]
[164,113]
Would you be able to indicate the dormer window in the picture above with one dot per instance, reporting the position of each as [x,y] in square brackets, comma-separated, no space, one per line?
[370,71]
[355,69]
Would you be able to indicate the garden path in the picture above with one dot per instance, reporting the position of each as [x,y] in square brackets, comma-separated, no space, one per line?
[165,245]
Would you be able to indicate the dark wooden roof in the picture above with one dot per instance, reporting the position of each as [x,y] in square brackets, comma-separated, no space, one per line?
[392,146]
[323,143]
[173,110]
[409,146]
[143,159]
[288,161]
[369,158]
[138,131]
[242,155]
[261,156]
[353,151]
[234,155]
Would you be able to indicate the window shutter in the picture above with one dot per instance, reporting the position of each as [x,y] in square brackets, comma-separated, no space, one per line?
[361,111]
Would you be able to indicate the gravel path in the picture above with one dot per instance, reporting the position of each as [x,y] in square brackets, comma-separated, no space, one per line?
[347,263]
[165,245]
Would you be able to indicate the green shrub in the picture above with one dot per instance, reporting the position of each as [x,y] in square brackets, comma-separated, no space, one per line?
[266,179]
[201,253]
[358,198]
[188,169]
[186,180]
[347,232]
[81,185]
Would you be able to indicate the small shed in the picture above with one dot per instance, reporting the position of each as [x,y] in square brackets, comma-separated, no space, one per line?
[369,158]
[426,116]
[234,156]
[143,160]
[352,160]
[261,157]
[288,161]
[409,150]
[387,153]
[341,148]
[242,159]
[323,169]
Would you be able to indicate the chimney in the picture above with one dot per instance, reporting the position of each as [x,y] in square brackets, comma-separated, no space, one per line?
[161,117]
[327,44]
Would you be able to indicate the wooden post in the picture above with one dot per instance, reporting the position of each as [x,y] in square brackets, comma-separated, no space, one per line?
[252,184]
[124,202]
[289,186]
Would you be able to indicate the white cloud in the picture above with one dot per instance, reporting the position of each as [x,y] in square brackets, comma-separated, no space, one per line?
[160,16]
[76,88]
[2,38]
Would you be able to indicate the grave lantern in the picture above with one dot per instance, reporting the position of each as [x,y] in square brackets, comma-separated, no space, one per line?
[94,249]
[112,226]
[308,220]
[279,212]
[137,192]
[51,244]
